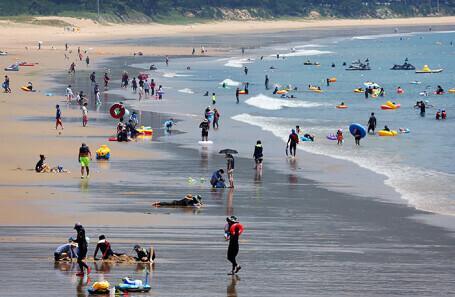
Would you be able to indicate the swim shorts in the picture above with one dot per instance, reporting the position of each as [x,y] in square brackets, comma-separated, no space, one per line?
[85,118]
[230,174]
[205,133]
[258,160]
[85,161]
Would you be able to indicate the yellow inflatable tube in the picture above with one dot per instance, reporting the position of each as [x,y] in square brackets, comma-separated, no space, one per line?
[103,151]
[101,285]
[391,105]
[387,133]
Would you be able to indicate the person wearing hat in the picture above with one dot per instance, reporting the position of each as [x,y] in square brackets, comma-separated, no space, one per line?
[144,255]
[233,248]
[205,129]
[65,252]
[105,248]
[84,155]
[340,137]
[217,180]
[81,241]
[292,142]
[189,200]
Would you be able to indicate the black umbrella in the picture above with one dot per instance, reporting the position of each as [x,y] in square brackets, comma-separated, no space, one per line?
[228,151]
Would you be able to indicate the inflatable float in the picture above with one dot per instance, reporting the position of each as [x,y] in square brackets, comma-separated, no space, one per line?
[101,288]
[400,91]
[331,137]
[103,153]
[305,139]
[205,142]
[404,130]
[113,139]
[236,225]
[312,88]
[451,91]
[160,92]
[318,91]
[145,130]
[332,79]
[282,92]
[226,87]
[117,111]
[428,70]
[439,93]
[387,133]
[390,105]
[342,106]
[101,53]
[356,126]
[131,285]
[416,82]
[25,89]
[242,92]
[13,67]
[358,91]
[26,64]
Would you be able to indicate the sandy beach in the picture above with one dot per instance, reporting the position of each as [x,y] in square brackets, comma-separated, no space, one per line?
[334,243]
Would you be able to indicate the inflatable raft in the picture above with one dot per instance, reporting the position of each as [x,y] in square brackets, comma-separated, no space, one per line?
[103,153]
[387,133]
[342,106]
[25,89]
[390,105]
[332,79]
[428,70]
[358,91]
[145,130]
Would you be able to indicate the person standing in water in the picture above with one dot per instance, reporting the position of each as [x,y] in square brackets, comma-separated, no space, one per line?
[245,70]
[257,155]
[84,153]
[357,136]
[372,123]
[237,94]
[230,170]
[205,129]
[292,142]
[233,248]
[87,60]
[82,245]
[266,82]
[84,115]
[213,99]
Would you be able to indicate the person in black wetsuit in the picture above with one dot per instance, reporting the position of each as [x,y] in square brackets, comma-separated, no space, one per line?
[422,108]
[292,142]
[372,123]
[105,248]
[82,244]
[144,255]
[233,248]
[189,200]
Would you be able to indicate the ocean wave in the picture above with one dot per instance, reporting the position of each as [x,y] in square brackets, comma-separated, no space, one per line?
[231,82]
[186,90]
[265,102]
[237,63]
[175,74]
[422,188]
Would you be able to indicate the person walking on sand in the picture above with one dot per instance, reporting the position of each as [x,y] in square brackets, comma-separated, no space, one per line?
[213,99]
[292,142]
[257,155]
[230,170]
[69,94]
[92,77]
[146,89]
[7,88]
[87,60]
[84,115]
[134,85]
[84,154]
[153,86]
[372,123]
[96,91]
[58,117]
[106,80]
[72,70]
[233,248]
[81,241]
[205,129]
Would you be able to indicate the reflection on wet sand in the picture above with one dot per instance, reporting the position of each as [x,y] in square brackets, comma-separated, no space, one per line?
[231,290]
[84,186]
[230,205]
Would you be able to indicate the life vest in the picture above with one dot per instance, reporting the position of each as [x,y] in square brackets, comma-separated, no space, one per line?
[295,137]
[340,136]
[236,225]
[153,84]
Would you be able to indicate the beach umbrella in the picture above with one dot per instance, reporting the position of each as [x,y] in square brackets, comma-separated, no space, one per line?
[143,76]
[228,151]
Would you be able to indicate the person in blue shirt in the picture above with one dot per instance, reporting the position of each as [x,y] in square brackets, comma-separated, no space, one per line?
[58,117]
[96,90]
[65,251]
[217,180]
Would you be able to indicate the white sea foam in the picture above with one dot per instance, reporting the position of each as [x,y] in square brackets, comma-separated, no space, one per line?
[175,74]
[237,63]
[186,90]
[265,102]
[305,52]
[230,82]
[425,189]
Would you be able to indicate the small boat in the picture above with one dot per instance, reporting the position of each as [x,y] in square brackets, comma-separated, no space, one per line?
[428,70]
[359,67]
[405,66]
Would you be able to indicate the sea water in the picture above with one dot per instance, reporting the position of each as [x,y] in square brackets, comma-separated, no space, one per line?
[418,165]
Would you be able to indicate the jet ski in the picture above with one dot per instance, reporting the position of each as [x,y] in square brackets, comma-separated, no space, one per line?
[405,66]
[359,67]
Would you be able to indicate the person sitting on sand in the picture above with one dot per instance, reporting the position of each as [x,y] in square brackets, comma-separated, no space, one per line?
[206,93]
[105,248]
[144,255]
[30,86]
[66,252]
[122,135]
[189,200]
[40,166]
[217,180]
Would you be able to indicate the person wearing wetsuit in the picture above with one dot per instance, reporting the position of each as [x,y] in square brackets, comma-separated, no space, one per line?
[233,248]
[292,142]
[372,123]
[386,128]
[257,155]
[275,91]
[422,108]
[106,79]
[82,246]
[189,200]
[266,81]
[144,255]
[105,248]
[122,136]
